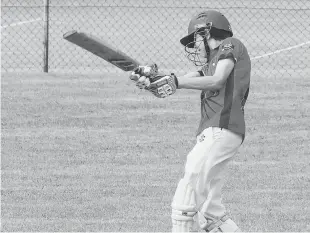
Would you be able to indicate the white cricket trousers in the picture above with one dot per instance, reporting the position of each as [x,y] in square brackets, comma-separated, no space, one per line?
[207,165]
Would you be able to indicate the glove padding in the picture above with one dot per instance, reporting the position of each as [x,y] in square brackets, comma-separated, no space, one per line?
[163,85]
[147,77]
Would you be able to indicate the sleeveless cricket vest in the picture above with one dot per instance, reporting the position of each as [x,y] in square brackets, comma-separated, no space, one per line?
[224,108]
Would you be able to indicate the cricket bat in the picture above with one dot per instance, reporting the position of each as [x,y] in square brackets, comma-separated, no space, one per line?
[102,49]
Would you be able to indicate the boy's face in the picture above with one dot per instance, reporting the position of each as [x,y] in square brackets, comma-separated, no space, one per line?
[200,46]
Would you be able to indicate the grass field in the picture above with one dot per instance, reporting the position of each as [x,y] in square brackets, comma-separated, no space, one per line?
[93,153]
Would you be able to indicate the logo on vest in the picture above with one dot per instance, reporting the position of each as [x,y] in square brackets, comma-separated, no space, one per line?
[228,47]
[201,138]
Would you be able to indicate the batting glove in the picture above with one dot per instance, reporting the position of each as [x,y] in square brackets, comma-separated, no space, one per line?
[163,86]
[146,71]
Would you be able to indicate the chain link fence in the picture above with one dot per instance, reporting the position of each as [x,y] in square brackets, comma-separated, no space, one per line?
[275,32]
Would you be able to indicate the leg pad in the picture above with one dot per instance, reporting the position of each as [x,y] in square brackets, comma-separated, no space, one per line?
[183,208]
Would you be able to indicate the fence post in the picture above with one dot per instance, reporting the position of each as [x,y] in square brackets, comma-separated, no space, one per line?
[46,34]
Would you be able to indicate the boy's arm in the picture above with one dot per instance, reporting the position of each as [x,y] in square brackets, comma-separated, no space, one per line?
[192,74]
[223,69]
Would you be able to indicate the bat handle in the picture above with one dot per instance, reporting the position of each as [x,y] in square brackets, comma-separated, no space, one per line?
[139,70]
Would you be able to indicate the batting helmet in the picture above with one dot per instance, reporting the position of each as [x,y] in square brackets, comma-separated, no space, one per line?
[207,19]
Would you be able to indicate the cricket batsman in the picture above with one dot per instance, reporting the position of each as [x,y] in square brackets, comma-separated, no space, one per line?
[223,77]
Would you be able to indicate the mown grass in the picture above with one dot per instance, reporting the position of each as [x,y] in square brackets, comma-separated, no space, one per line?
[93,153]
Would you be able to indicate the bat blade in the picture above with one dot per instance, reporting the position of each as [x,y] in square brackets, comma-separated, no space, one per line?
[102,49]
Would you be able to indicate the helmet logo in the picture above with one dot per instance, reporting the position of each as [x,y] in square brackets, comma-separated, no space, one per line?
[197,26]
[229,27]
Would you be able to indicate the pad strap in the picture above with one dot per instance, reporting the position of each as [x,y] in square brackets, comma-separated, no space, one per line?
[201,73]
[216,224]
[209,223]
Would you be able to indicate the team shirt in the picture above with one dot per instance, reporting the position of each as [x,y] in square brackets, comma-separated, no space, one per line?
[225,108]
